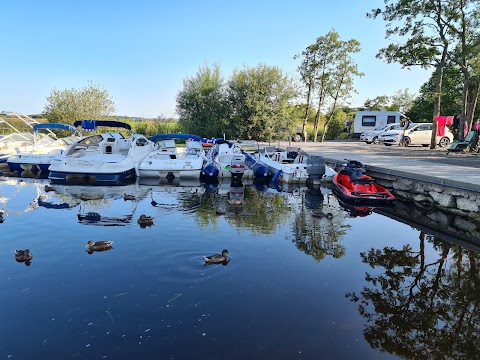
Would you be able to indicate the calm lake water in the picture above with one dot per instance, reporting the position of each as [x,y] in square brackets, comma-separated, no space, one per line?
[346,285]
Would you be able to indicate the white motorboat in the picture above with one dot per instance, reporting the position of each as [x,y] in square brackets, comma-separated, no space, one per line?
[20,141]
[40,156]
[13,143]
[290,165]
[169,161]
[225,159]
[107,158]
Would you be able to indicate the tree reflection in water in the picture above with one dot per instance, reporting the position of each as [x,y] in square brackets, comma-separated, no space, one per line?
[319,236]
[421,309]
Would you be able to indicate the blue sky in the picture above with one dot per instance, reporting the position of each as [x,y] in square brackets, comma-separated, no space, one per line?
[140,51]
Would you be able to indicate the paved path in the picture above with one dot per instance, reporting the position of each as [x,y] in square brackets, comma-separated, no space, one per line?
[459,169]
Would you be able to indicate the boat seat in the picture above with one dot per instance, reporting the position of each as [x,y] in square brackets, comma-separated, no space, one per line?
[363,181]
[299,159]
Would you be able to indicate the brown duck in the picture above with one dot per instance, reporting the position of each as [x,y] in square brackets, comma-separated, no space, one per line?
[23,256]
[99,245]
[217,258]
[145,221]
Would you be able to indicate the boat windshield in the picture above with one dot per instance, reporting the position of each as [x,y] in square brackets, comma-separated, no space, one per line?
[91,140]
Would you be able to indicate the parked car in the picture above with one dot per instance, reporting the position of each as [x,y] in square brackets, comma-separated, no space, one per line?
[416,134]
[372,136]
[299,135]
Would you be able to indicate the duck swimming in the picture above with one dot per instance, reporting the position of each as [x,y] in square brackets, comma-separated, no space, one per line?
[128,197]
[145,221]
[99,245]
[23,256]
[218,259]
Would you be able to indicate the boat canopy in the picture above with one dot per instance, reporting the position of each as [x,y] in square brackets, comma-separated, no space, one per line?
[175,136]
[91,125]
[54,126]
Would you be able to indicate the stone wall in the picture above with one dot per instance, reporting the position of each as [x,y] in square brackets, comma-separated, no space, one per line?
[447,207]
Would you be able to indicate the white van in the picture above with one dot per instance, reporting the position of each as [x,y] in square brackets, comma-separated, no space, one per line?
[369,120]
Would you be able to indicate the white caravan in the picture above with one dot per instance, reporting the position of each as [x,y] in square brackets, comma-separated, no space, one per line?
[370,120]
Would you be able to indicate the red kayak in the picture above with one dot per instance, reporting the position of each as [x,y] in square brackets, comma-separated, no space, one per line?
[353,186]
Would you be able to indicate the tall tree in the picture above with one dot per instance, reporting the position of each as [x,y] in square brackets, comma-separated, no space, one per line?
[90,102]
[425,27]
[327,71]
[259,100]
[340,86]
[421,110]
[201,104]
[307,75]
[466,56]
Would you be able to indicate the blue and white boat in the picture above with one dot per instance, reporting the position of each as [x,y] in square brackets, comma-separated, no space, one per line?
[102,158]
[290,165]
[224,160]
[169,161]
[41,155]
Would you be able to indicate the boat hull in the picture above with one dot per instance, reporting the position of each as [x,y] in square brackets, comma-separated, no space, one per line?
[172,168]
[92,178]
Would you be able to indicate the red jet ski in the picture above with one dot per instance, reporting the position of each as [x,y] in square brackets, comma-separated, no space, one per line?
[352,185]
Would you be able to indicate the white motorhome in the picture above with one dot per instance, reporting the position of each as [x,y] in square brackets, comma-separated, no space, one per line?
[369,120]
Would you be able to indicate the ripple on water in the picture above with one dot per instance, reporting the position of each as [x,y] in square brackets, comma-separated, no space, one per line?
[184,267]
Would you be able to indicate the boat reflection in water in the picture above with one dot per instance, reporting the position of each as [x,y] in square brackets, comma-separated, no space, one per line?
[97,203]
[378,286]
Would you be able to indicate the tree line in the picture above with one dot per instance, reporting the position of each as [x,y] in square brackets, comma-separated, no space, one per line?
[263,103]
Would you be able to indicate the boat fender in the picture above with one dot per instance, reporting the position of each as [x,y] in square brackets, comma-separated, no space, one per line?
[277,175]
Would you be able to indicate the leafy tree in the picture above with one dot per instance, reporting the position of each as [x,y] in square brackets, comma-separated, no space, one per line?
[451,97]
[68,105]
[259,100]
[466,14]
[327,71]
[340,86]
[201,104]
[336,124]
[307,70]
[401,101]
[377,103]
[425,27]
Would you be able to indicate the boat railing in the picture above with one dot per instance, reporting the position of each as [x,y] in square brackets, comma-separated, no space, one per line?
[27,120]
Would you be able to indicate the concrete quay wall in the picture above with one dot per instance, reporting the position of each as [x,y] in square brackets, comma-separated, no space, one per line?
[450,208]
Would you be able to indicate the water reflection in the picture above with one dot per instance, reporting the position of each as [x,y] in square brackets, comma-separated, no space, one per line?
[420,305]
[294,257]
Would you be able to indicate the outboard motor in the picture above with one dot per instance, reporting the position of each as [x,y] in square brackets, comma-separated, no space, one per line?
[315,168]
[237,167]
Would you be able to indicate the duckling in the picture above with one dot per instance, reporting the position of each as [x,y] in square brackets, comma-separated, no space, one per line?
[99,245]
[145,221]
[23,256]
[217,258]
[128,197]
[49,188]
